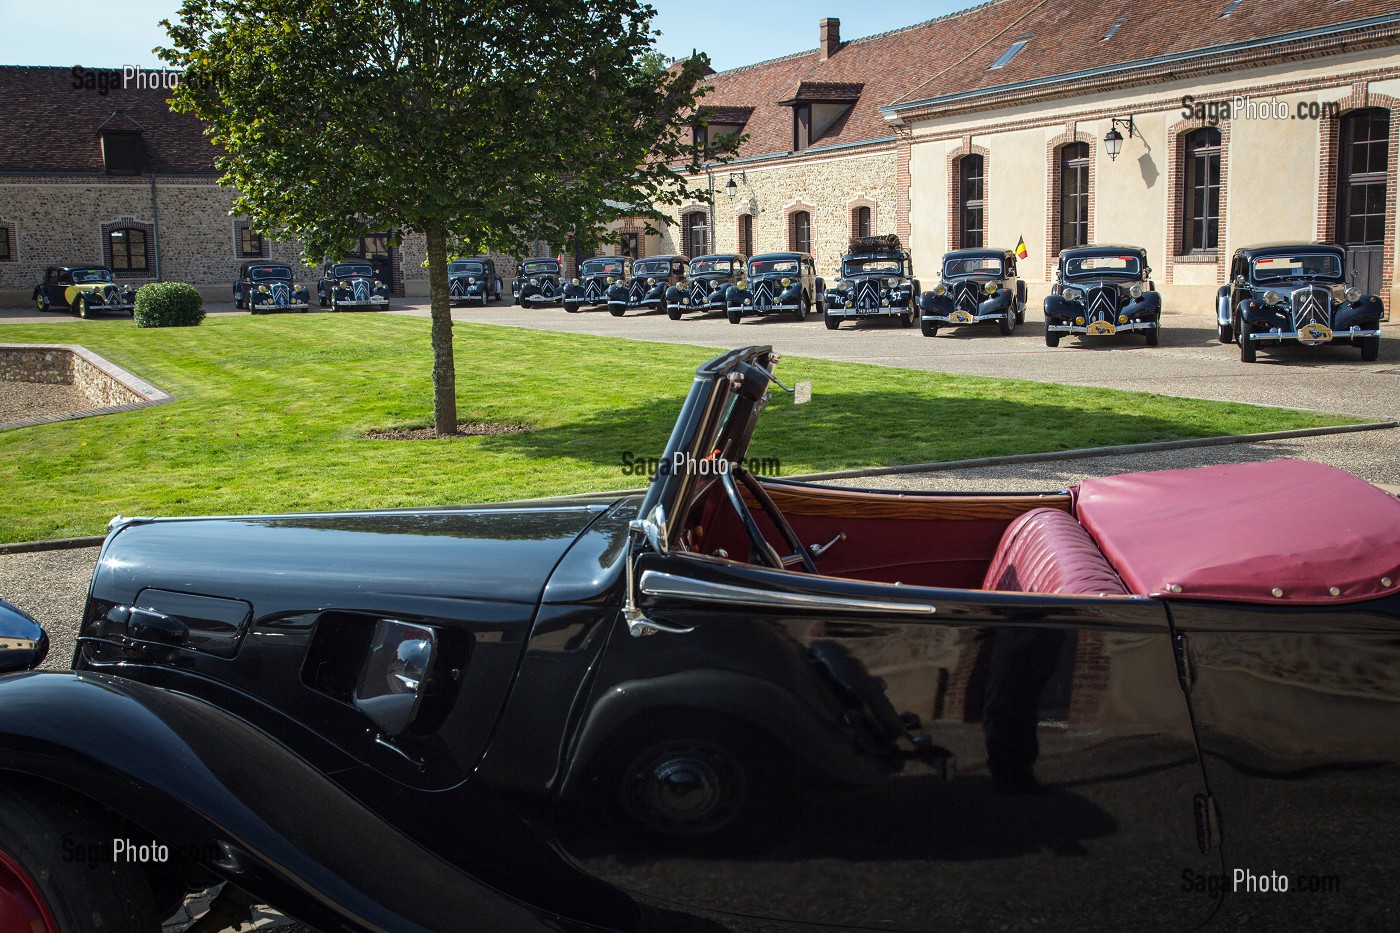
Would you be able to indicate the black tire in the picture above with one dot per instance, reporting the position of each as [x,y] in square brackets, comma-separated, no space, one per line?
[572,307]
[80,306]
[325,302]
[804,307]
[40,830]
[832,323]
[1370,348]
[673,313]
[1153,335]
[1020,312]
[735,315]
[1007,324]
[615,311]
[1247,348]
[238,300]
[929,328]
[1052,339]
[1227,333]
[907,319]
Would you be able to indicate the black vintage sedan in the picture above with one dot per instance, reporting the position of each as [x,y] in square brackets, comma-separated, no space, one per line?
[352,286]
[84,290]
[706,285]
[595,277]
[1296,292]
[265,287]
[1100,291]
[778,283]
[730,703]
[651,278]
[473,281]
[538,282]
[975,286]
[877,280]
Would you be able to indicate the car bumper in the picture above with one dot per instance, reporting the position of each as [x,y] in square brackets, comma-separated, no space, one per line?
[964,317]
[371,303]
[750,309]
[1100,328]
[290,306]
[1311,340]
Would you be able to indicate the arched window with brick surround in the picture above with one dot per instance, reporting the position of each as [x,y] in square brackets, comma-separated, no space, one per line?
[800,231]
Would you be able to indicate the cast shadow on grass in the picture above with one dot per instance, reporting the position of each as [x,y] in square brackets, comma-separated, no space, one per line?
[856,429]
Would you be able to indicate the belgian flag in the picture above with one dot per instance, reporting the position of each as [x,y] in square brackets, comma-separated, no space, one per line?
[1021,248]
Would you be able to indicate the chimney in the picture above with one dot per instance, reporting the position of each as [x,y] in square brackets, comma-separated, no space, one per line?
[830,37]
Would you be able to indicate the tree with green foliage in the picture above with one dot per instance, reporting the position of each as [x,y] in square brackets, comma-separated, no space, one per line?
[482,124]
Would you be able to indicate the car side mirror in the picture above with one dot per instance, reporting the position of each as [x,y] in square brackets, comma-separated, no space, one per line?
[23,643]
[395,673]
[1240,282]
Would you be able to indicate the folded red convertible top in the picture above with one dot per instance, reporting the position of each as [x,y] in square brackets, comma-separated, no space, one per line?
[1284,531]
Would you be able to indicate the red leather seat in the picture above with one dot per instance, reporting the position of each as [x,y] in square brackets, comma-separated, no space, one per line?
[1048,551]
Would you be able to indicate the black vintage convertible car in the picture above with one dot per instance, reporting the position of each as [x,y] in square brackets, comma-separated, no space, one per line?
[1296,292]
[1100,291]
[729,703]
[265,287]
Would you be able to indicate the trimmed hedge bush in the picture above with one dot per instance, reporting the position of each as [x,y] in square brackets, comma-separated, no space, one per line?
[168,304]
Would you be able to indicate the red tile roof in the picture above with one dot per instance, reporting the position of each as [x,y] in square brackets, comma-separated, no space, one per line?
[50,126]
[954,54]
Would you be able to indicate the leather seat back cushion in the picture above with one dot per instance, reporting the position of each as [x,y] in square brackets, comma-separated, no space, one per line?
[1048,551]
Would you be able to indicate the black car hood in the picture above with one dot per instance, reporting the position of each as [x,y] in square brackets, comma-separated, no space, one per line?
[286,562]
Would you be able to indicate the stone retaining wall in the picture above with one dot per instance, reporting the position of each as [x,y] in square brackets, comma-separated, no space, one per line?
[109,387]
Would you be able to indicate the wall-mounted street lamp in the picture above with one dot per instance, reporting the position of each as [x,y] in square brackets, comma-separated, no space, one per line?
[730,188]
[1113,141]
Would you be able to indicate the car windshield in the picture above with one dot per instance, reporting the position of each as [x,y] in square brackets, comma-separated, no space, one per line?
[704,266]
[872,267]
[1297,265]
[602,267]
[960,266]
[98,274]
[539,267]
[1083,266]
[264,273]
[654,267]
[466,267]
[773,267]
[346,269]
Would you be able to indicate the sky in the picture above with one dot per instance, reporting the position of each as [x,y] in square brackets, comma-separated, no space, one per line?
[731,32]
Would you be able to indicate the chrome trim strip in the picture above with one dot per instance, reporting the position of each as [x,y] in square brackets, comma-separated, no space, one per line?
[657,583]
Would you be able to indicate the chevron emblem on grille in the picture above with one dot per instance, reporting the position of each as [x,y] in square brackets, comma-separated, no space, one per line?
[967,298]
[457,287]
[1103,306]
[763,295]
[700,293]
[280,294]
[593,289]
[1311,305]
[361,290]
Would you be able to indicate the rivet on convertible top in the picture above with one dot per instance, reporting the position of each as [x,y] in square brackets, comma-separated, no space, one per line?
[1277,591]
[1335,591]
[1175,587]
[1385,581]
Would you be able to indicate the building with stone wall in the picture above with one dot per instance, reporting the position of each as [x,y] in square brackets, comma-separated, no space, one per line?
[990,125]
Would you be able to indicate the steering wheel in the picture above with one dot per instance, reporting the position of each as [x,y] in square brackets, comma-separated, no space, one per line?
[765,551]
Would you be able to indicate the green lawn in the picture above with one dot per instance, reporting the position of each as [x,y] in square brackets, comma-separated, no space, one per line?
[271,410]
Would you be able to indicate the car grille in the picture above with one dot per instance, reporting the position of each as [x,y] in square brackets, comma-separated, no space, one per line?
[763,295]
[593,289]
[359,289]
[966,297]
[637,291]
[546,287]
[867,294]
[1101,304]
[457,287]
[281,294]
[1312,304]
[700,292]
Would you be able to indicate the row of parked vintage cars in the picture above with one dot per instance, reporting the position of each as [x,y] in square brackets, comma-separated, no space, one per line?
[1288,292]
[1277,293]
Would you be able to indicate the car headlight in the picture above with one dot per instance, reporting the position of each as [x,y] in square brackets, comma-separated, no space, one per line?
[262,289]
[743,284]
[1122,319]
[990,288]
[787,282]
[1135,292]
[1352,294]
[378,284]
[1272,298]
[940,289]
[611,280]
[1079,320]
[576,282]
[651,281]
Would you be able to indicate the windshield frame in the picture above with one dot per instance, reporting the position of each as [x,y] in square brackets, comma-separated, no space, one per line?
[848,272]
[997,273]
[279,275]
[1135,272]
[479,270]
[345,270]
[1337,278]
[605,261]
[546,267]
[729,260]
[85,271]
[795,272]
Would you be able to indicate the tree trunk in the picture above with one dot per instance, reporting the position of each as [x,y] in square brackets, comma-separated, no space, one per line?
[444,369]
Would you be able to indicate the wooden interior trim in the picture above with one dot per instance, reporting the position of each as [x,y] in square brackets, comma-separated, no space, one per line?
[860,503]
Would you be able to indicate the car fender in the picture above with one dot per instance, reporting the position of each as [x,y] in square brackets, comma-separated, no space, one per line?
[1258,314]
[617,292]
[759,703]
[790,294]
[673,295]
[821,289]
[1222,306]
[214,789]
[1056,308]
[997,303]
[930,303]
[1148,306]
[735,296]
[1368,310]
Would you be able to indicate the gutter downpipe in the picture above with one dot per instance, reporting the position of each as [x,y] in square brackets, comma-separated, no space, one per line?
[155,227]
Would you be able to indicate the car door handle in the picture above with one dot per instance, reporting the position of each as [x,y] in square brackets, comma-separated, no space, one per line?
[640,626]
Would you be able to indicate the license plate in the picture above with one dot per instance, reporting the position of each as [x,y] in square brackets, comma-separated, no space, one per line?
[960,317]
[1101,328]
[1312,335]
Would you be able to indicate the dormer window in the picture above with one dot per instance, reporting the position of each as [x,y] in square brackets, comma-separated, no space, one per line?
[121,144]
[819,108]
[1010,53]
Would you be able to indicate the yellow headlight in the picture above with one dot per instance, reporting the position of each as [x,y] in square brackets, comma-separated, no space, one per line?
[990,288]
[787,282]
[1079,320]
